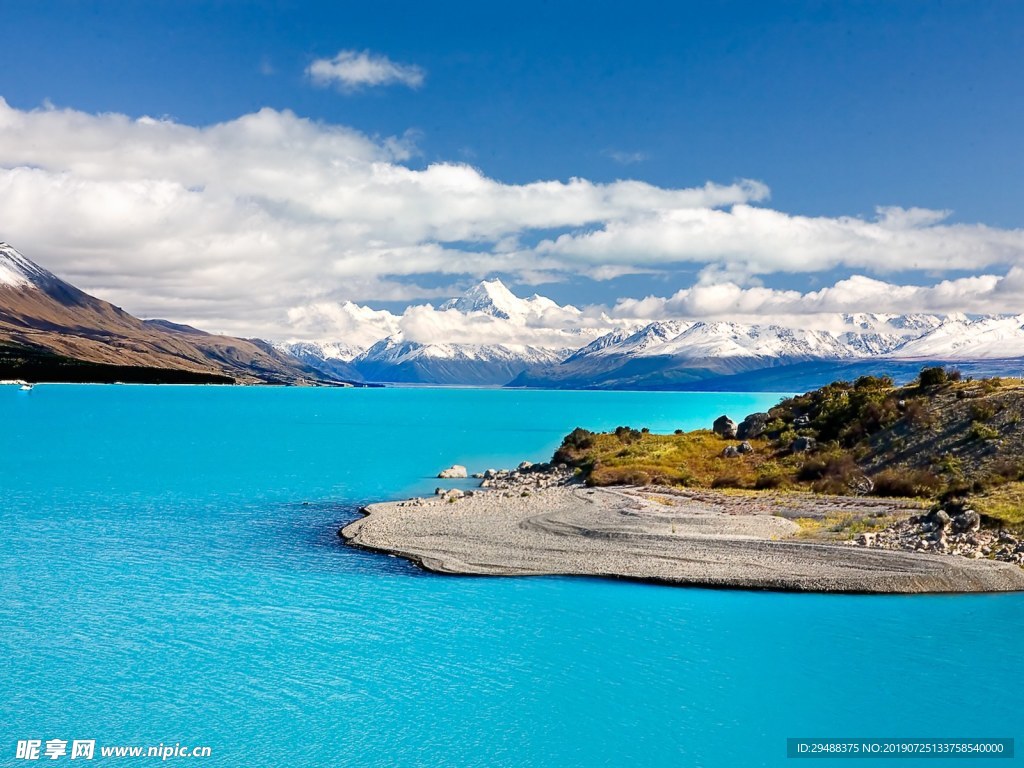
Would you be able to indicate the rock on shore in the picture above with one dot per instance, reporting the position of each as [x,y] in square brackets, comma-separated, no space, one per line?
[455,471]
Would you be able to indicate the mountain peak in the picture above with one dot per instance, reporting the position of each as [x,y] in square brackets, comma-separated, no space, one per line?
[495,290]
[18,272]
[491,297]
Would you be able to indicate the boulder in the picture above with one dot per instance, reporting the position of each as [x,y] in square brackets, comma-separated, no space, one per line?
[724,427]
[453,472]
[453,493]
[968,520]
[745,447]
[752,426]
[803,444]
[524,466]
[730,452]
[939,519]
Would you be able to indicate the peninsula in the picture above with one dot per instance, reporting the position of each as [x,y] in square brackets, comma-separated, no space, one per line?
[856,487]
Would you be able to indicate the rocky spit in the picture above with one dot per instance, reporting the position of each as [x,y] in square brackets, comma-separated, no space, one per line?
[538,520]
[954,532]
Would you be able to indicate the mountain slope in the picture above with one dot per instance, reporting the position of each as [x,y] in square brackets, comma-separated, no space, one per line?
[42,316]
[396,360]
[332,360]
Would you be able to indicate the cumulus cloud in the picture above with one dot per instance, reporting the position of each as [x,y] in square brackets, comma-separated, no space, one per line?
[512,321]
[982,294]
[229,226]
[356,325]
[354,70]
[750,240]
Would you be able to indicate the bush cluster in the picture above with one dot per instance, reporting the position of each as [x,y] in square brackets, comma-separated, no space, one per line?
[906,482]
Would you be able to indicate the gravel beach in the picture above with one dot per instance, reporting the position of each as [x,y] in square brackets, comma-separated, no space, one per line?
[701,538]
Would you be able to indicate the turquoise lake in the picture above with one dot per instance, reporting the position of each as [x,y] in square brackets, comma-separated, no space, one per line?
[170,572]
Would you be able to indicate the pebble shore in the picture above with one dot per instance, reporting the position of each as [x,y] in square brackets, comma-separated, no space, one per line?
[536,520]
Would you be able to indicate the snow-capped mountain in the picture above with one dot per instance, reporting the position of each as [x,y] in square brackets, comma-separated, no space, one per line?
[396,359]
[636,343]
[655,357]
[960,338]
[323,350]
[332,359]
[18,272]
[491,336]
[492,297]
[488,335]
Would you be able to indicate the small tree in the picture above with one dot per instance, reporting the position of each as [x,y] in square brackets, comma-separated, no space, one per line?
[933,376]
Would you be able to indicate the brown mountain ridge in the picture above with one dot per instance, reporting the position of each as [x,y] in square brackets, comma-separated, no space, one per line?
[52,331]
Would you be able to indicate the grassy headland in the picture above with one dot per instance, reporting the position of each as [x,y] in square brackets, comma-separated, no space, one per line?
[942,438]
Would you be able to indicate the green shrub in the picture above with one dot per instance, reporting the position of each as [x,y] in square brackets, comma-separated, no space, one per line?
[982,410]
[933,376]
[628,434]
[981,431]
[873,382]
[580,439]
[786,437]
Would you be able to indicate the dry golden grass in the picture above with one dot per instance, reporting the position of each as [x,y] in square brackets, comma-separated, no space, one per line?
[1004,503]
[840,526]
[691,459]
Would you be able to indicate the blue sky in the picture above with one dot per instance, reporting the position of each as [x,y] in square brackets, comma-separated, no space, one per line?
[838,108]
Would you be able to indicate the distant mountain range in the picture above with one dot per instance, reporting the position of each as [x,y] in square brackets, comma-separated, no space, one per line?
[50,330]
[675,354]
[397,359]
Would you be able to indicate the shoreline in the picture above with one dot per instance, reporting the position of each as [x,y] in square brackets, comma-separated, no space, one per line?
[535,523]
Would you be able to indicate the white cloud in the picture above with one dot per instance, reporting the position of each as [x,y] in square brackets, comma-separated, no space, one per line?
[749,240]
[625,158]
[356,325]
[230,226]
[982,294]
[536,321]
[353,70]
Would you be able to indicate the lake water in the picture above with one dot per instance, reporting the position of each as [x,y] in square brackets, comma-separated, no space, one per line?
[170,573]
